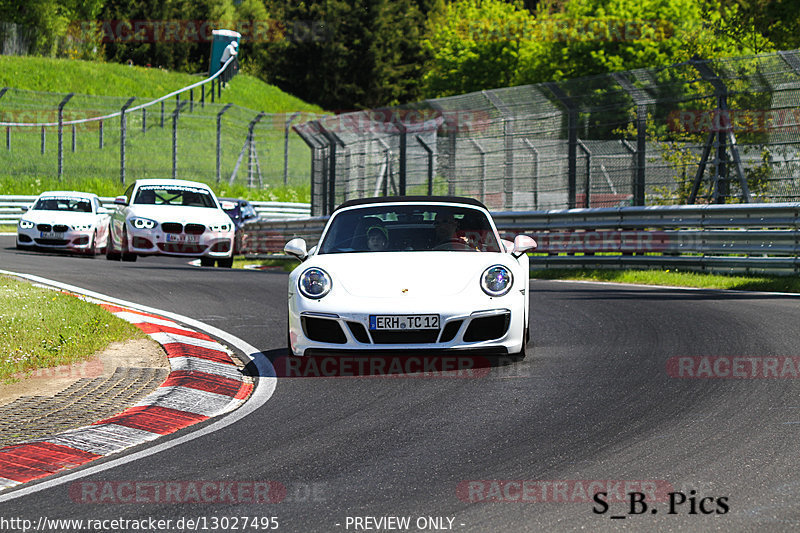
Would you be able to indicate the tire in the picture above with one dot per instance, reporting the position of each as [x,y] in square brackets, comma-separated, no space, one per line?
[126,255]
[207,261]
[111,254]
[520,355]
[91,251]
[225,262]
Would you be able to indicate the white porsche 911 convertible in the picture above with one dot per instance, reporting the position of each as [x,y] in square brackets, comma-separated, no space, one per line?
[64,220]
[396,274]
[170,217]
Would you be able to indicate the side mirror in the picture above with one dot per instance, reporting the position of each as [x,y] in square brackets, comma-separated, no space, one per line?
[296,248]
[522,244]
[103,211]
[121,200]
[25,208]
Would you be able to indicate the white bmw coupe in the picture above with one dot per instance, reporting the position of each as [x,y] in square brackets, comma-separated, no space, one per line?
[411,275]
[64,220]
[170,217]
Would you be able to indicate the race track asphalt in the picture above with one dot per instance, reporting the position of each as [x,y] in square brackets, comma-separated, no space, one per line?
[594,401]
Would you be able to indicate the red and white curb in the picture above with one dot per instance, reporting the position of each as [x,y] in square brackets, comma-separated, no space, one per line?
[204,382]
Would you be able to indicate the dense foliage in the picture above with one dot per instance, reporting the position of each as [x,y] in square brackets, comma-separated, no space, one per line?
[345,54]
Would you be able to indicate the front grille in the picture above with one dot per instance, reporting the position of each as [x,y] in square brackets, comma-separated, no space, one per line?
[487,328]
[359,332]
[194,229]
[221,246]
[181,248]
[419,336]
[44,227]
[60,228]
[450,331]
[141,242]
[52,242]
[323,330]
[172,227]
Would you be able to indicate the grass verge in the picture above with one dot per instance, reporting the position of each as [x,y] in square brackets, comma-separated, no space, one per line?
[41,328]
[677,279]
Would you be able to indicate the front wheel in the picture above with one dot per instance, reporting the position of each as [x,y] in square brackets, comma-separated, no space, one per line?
[111,254]
[126,255]
[91,251]
[225,262]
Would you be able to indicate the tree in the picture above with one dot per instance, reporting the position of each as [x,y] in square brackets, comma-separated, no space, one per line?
[588,37]
[475,45]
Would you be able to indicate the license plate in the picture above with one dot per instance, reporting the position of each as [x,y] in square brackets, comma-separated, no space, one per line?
[182,238]
[51,235]
[401,322]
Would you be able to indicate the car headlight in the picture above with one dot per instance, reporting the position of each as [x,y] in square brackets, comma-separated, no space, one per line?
[314,283]
[496,280]
[82,227]
[220,227]
[25,224]
[142,223]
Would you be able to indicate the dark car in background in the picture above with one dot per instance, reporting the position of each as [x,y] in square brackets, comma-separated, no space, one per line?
[242,213]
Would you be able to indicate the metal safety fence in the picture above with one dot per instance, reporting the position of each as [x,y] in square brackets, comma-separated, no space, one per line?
[730,238]
[702,131]
[185,134]
[13,207]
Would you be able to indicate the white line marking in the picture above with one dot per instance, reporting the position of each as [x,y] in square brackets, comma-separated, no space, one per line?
[264,388]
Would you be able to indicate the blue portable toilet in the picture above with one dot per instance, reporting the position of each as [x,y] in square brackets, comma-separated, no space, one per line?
[220,40]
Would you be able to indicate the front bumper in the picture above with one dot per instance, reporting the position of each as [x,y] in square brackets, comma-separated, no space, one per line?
[156,242]
[497,328]
[70,240]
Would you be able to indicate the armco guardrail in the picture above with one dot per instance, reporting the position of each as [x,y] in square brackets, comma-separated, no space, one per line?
[716,238]
[12,208]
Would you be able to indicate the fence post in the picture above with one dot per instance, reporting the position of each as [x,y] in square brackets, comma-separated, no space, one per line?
[203,96]
[144,120]
[191,100]
[8,128]
[286,127]
[61,134]
[482,153]
[43,140]
[640,99]
[429,150]
[162,114]
[175,115]
[572,141]
[219,138]
[123,134]
[588,182]
[73,138]
[100,134]
[534,173]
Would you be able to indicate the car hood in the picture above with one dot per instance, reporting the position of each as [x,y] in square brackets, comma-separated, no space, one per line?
[413,274]
[59,217]
[182,214]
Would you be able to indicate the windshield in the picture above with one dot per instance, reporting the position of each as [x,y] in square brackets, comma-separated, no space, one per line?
[64,203]
[174,195]
[409,228]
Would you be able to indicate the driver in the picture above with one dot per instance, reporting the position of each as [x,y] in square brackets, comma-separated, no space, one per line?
[445,227]
[377,239]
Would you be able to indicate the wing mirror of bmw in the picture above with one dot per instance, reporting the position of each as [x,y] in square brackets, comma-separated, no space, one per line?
[522,244]
[121,200]
[296,248]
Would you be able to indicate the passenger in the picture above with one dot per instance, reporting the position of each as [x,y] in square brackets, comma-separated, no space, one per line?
[377,239]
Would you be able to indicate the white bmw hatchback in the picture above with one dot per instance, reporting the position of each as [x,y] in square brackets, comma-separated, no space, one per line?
[410,274]
[170,217]
[64,220]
